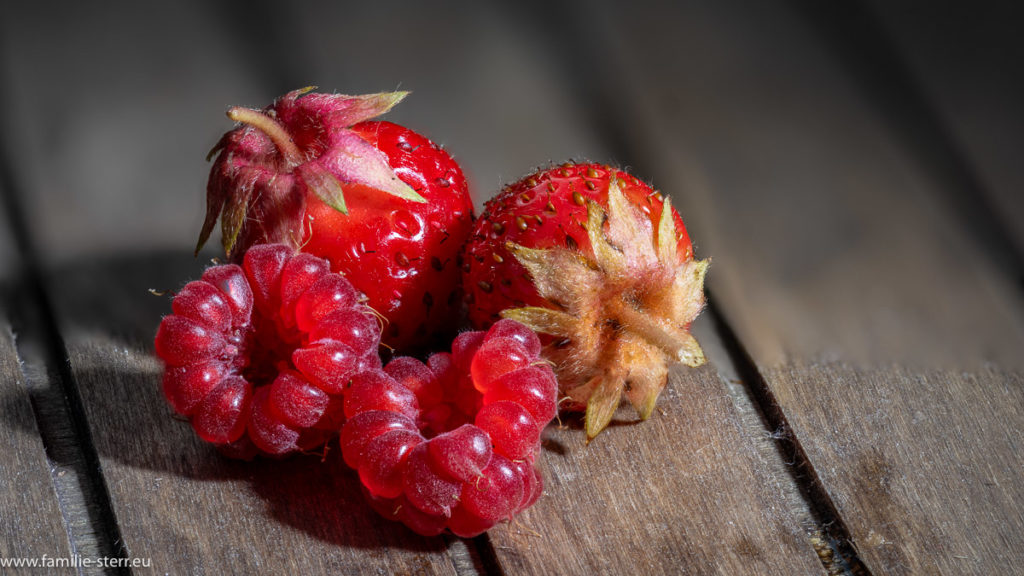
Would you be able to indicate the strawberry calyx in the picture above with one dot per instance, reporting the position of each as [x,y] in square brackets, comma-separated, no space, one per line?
[620,316]
[302,142]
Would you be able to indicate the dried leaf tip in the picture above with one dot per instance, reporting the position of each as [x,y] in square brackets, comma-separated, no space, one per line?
[667,238]
[603,403]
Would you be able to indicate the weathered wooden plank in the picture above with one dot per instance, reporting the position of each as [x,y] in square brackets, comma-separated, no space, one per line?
[694,489]
[928,473]
[30,519]
[31,526]
[111,117]
[835,261]
[112,164]
[966,61]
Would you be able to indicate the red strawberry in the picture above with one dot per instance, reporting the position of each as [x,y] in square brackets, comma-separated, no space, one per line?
[383,204]
[601,263]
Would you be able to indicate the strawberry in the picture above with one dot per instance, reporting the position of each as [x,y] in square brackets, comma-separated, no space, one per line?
[601,264]
[384,205]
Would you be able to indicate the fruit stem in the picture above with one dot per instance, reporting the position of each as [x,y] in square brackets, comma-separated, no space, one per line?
[649,329]
[273,129]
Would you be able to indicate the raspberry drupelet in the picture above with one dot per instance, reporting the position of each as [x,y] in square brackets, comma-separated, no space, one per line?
[257,356]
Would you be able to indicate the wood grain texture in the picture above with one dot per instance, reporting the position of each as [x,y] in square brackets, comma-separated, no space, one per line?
[687,492]
[828,242]
[111,113]
[925,466]
[966,59]
[30,518]
[837,264]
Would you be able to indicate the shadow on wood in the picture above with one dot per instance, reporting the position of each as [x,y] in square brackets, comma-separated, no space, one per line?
[178,500]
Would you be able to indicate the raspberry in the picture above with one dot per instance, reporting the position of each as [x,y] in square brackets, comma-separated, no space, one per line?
[258,355]
[451,444]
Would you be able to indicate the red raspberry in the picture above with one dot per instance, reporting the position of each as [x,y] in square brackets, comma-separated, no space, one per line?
[257,356]
[452,443]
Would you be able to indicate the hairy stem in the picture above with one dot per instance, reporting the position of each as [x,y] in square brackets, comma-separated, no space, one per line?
[273,129]
[665,338]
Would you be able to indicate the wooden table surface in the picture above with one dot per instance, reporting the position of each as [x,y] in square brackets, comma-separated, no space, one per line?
[853,168]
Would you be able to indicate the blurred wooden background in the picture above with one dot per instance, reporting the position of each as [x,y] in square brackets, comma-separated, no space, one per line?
[853,168]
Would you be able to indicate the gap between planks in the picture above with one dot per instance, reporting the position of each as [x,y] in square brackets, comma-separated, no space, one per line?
[790,466]
[82,495]
[750,392]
